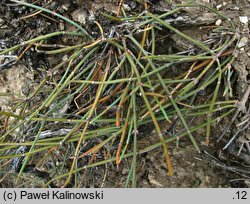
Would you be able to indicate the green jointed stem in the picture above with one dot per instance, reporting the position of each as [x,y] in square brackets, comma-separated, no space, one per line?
[168,93]
[43,37]
[208,130]
[97,97]
[140,85]
[158,130]
[31,149]
[147,149]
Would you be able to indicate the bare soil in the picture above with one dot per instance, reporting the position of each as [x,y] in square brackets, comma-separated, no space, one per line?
[214,167]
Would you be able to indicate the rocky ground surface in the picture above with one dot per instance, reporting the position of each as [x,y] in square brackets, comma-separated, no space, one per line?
[212,168]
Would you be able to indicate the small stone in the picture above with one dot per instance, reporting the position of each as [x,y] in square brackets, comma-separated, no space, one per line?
[243,42]
[247,183]
[79,15]
[91,17]
[133,4]
[126,7]
[244,19]
[66,6]
[218,22]
[62,26]
[218,7]
[236,8]
[65,58]
[153,181]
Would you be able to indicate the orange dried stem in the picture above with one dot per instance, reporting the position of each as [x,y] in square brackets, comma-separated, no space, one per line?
[123,99]
[124,131]
[119,8]
[31,15]
[25,50]
[98,95]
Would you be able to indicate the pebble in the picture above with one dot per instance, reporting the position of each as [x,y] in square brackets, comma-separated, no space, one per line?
[66,6]
[236,8]
[80,16]
[91,16]
[243,42]
[126,7]
[224,3]
[133,4]
[244,19]
[218,22]
[62,26]
[218,7]
[65,58]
